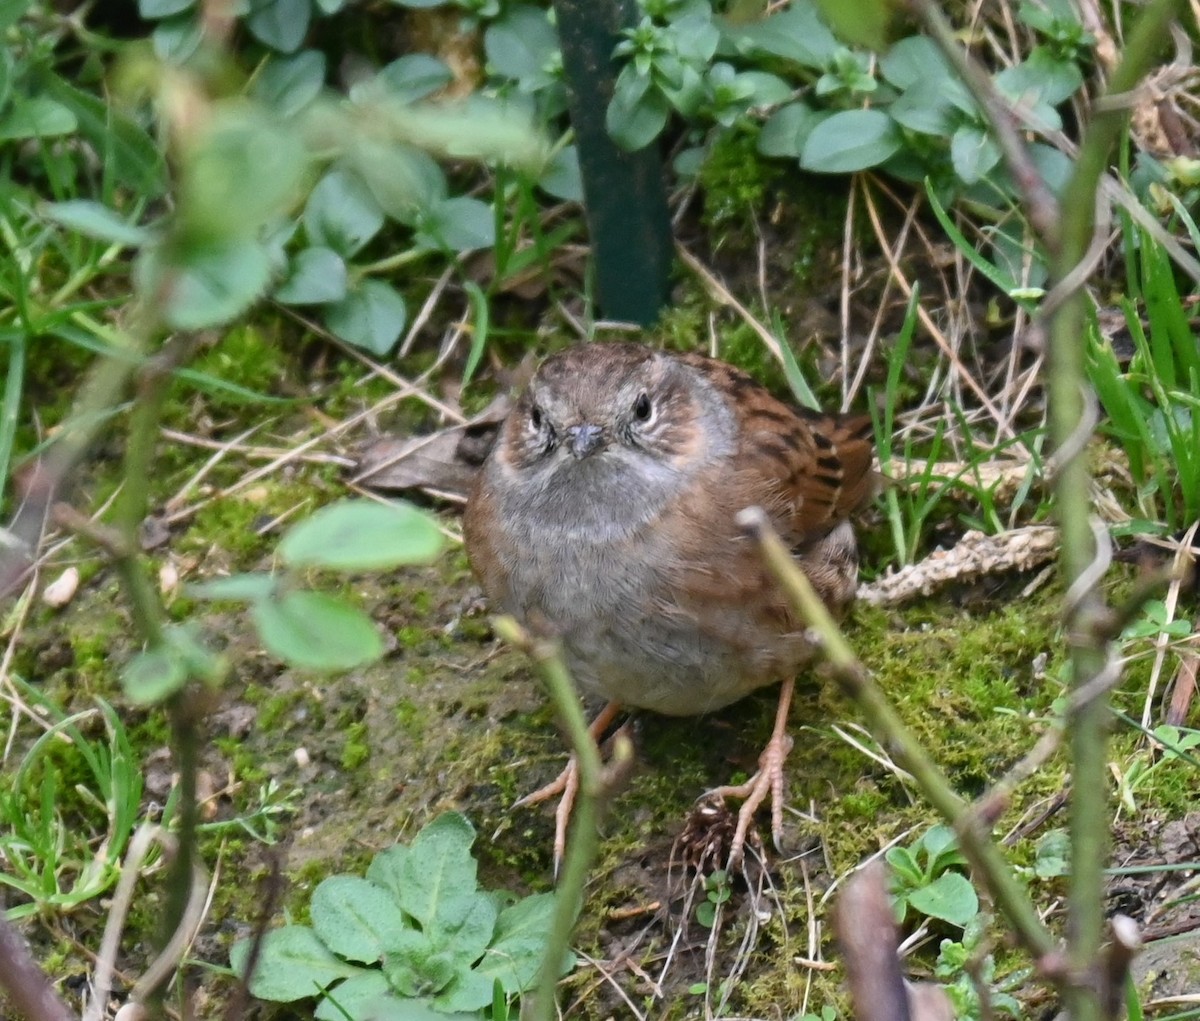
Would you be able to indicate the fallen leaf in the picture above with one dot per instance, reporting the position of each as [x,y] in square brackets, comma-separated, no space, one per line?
[443,464]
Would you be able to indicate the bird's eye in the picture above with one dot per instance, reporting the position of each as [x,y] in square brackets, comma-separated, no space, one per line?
[535,417]
[642,407]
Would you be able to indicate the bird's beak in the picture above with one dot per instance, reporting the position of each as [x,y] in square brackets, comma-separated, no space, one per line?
[584,439]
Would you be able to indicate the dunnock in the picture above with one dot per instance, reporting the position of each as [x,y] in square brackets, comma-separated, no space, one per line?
[605,514]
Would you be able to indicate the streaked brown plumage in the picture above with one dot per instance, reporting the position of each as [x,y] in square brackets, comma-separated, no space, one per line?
[606,514]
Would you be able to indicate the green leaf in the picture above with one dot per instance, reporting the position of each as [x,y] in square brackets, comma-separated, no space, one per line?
[242,170]
[438,868]
[695,36]
[397,1008]
[478,128]
[850,140]
[415,76]
[404,181]
[371,316]
[354,998]
[785,131]
[239,587]
[634,125]
[130,156]
[95,220]
[950,898]
[177,39]
[463,926]
[992,272]
[520,42]
[153,9]
[12,11]
[797,33]
[914,59]
[341,213]
[280,24]
[1053,856]
[562,178]
[204,284]
[905,866]
[159,672]
[863,22]
[973,153]
[356,919]
[292,964]
[416,969]
[361,535]
[6,68]
[764,89]
[461,224]
[941,849]
[317,276]
[153,675]
[1055,166]
[925,108]
[36,117]
[690,161]
[1040,78]
[515,954]
[314,631]
[389,869]
[289,84]
[467,991]
[479,328]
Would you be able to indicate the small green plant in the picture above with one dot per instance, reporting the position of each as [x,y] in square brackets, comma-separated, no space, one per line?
[1151,403]
[308,629]
[73,802]
[926,880]
[416,933]
[827,1014]
[965,966]
[1156,620]
[69,794]
[717,891]
[670,68]
[1052,856]
[1171,745]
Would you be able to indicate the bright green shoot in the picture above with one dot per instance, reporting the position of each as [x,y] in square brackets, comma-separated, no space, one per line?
[1152,402]
[58,856]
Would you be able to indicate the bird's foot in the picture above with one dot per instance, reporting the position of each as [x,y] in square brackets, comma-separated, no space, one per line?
[767,781]
[566,786]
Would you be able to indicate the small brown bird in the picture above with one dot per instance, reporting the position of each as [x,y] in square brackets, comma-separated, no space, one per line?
[606,513]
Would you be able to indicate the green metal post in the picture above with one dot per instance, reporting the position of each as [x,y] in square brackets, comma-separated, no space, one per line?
[624,194]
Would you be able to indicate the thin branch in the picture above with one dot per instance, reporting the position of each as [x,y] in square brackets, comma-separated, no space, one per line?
[986,858]
[27,986]
[1040,204]
[1085,614]
[596,785]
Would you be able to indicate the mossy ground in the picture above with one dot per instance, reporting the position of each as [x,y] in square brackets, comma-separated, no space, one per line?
[450,720]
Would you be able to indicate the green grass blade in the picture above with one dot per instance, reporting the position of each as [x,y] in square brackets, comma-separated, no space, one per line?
[479,332]
[14,385]
[969,252]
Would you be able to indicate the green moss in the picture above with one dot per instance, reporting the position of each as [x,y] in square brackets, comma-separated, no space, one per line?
[410,718]
[356,750]
[736,181]
[411,636]
[229,526]
[250,356]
